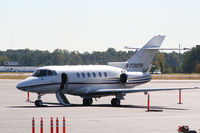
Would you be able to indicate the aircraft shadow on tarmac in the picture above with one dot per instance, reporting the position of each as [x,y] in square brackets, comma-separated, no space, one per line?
[53,105]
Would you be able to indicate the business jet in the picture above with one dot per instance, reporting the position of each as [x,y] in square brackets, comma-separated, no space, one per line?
[95,81]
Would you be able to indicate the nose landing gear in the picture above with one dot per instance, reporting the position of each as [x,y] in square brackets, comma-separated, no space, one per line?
[38,102]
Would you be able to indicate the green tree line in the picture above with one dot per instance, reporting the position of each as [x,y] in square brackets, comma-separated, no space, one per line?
[188,62]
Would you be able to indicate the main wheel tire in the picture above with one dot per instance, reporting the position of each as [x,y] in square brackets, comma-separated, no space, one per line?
[87,101]
[115,102]
[38,103]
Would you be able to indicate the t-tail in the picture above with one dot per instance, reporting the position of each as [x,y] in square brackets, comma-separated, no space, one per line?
[141,60]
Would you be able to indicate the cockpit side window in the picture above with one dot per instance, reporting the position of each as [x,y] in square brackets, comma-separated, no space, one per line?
[54,73]
[40,73]
[50,73]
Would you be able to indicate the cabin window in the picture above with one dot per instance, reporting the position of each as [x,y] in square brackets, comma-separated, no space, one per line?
[88,74]
[94,74]
[99,74]
[105,74]
[78,75]
[83,75]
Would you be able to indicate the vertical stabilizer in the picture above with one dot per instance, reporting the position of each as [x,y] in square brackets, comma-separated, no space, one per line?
[142,58]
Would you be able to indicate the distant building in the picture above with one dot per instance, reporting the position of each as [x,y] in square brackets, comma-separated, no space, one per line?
[12,66]
[18,68]
[11,63]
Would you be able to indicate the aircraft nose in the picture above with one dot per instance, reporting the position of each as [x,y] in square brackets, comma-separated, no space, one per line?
[21,86]
[25,84]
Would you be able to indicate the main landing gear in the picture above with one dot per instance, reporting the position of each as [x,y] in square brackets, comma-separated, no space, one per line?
[38,102]
[87,101]
[117,100]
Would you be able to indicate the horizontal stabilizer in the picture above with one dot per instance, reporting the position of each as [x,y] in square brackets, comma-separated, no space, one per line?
[156,48]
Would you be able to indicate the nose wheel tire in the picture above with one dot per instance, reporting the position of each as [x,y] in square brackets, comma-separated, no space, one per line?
[115,102]
[38,103]
[87,101]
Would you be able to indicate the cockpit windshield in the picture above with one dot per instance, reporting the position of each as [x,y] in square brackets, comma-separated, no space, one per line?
[43,73]
[40,73]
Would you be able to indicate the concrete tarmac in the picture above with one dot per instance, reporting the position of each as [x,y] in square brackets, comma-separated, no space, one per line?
[16,114]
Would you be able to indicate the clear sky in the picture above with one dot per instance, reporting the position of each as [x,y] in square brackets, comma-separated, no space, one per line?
[96,25]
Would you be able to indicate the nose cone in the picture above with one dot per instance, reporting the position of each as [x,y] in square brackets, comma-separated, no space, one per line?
[25,84]
[20,86]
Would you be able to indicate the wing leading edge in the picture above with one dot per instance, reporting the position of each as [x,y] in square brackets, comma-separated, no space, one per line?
[117,91]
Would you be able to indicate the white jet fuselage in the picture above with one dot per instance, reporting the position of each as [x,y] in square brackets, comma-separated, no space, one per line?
[81,79]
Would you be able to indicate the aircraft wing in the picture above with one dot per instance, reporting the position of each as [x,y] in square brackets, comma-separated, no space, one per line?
[117,91]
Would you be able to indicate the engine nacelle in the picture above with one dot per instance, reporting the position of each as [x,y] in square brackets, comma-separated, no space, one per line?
[123,78]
